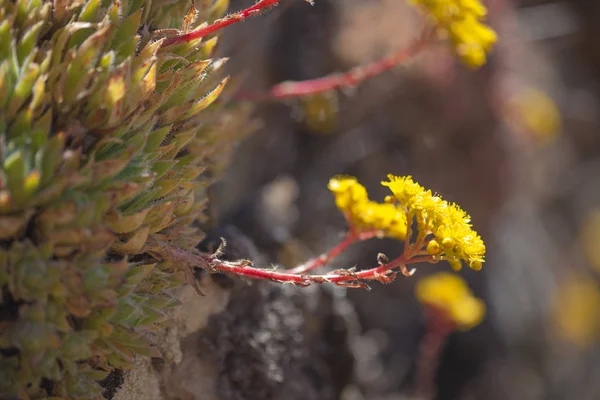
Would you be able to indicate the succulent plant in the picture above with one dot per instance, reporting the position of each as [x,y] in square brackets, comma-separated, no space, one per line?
[106,137]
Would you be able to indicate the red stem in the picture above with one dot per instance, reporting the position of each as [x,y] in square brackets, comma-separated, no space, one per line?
[324,258]
[219,24]
[352,77]
[439,326]
[381,273]
[425,258]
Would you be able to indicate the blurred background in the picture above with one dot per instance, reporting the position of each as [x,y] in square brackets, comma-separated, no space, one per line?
[516,144]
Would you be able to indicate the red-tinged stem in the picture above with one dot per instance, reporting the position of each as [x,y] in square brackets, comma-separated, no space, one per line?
[426,258]
[324,258]
[380,273]
[338,277]
[353,77]
[408,248]
[438,326]
[219,24]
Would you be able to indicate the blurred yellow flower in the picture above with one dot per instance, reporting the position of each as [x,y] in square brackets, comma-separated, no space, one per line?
[576,310]
[320,111]
[532,110]
[461,21]
[450,294]
[589,238]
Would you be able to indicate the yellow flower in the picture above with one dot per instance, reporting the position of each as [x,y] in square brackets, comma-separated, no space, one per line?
[348,192]
[454,238]
[589,238]
[532,110]
[460,20]
[365,215]
[404,189]
[444,228]
[471,40]
[576,308]
[449,293]
[320,111]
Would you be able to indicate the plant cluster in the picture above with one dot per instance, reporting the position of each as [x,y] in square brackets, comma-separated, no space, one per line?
[110,132]
[105,136]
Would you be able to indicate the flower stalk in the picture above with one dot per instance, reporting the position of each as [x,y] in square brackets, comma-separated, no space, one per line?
[354,76]
[252,11]
[383,273]
[449,306]
[335,251]
[438,328]
[443,232]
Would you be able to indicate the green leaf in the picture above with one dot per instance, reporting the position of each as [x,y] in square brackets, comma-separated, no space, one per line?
[206,101]
[14,171]
[80,69]
[89,12]
[161,167]
[155,138]
[115,91]
[61,38]
[48,159]
[143,61]
[6,84]
[22,123]
[44,123]
[28,41]
[5,39]
[124,40]
[76,345]
[23,88]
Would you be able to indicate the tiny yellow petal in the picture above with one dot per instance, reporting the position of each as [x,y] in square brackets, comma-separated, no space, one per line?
[433,247]
[448,243]
[456,265]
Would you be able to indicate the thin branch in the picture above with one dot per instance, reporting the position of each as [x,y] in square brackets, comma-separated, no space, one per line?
[324,258]
[258,8]
[438,328]
[408,248]
[353,77]
[344,277]
[383,273]
[427,258]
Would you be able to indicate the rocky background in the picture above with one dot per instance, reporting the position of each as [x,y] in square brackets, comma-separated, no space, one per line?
[477,138]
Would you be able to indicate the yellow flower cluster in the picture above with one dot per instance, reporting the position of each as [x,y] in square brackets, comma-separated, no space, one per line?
[444,226]
[450,293]
[364,215]
[461,21]
[454,239]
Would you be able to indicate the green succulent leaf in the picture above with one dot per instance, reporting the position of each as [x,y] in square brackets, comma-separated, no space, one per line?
[104,134]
